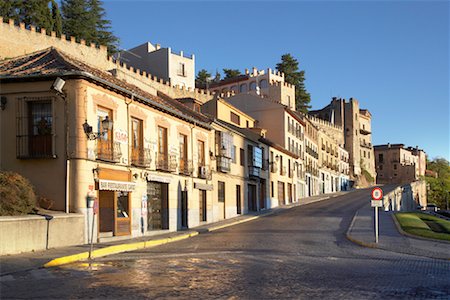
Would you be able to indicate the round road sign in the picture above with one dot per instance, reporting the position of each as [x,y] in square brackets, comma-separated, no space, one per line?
[377,193]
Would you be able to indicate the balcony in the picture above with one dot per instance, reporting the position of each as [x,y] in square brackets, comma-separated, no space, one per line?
[140,157]
[366,145]
[185,167]
[108,151]
[204,172]
[364,131]
[254,171]
[166,163]
[274,167]
[223,164]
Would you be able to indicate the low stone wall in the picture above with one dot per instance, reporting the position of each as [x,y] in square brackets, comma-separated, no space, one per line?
[406,197]
[33,232]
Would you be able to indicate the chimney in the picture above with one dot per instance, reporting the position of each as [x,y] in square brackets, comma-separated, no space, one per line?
[389,145]
[246,72]
[158,46]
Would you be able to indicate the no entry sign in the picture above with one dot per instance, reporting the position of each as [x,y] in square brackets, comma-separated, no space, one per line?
[377,193]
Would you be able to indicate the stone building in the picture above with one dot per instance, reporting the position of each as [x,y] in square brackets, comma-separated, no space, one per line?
[356,130]
[266,84]
[177,68]
[311,158]
[397,164]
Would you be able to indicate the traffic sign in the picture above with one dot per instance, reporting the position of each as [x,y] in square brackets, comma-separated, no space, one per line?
[377,193]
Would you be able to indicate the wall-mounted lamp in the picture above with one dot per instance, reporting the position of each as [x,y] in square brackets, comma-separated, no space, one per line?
[106,127]
[135,176]
[58,85]
[3,102]
[277,157]
[95,173]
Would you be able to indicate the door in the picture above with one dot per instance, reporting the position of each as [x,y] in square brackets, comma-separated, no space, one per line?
[238,199]
[123,215]
[252,197]
[202,206]
[184,209]
[262,195]
[157,197]
[281,193]
[106,211]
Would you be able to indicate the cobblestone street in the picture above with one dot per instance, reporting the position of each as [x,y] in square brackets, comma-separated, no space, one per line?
[298,253]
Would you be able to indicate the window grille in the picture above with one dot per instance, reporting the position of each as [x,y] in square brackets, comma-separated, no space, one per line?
[35,131]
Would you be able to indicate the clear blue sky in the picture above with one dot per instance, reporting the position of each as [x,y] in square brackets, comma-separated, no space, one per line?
[393,56]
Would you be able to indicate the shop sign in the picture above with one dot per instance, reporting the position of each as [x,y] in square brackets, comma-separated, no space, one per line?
[112,185]
[203,186]
[158,178]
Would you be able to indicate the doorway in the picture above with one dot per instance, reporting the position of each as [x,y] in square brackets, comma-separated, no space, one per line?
[238,199]
[202,206]
[114,213]
[262,195]
[158,205]
[184,209]
[252,197]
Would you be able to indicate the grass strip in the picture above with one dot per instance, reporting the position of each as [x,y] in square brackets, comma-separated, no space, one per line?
[424,225]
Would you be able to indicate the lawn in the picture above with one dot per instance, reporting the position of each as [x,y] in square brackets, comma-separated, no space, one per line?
[424,225]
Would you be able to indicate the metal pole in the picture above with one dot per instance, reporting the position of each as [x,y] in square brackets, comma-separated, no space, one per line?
[376,224]
[92,234]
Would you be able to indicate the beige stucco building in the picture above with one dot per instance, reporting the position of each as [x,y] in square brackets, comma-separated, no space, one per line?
[397,164]
[177,68]
[311,158]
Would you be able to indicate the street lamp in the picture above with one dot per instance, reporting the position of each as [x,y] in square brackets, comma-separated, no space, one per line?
[106,127]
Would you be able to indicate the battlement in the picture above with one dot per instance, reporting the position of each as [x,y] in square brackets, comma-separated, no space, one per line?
[181,54]
[255,72]
[324,123]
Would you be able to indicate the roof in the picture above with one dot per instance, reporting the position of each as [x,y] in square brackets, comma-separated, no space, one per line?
[278,147]
[226,81]
[253,136]
[51,62]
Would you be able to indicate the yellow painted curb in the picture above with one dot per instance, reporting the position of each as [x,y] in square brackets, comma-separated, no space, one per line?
[115,250]
[232,224]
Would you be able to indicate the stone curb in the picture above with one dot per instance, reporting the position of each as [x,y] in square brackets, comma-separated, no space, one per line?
[116,249]
[400,229]
[356,241]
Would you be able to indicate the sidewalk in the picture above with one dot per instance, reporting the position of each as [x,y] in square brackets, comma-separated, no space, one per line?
[361,231]
[54,257]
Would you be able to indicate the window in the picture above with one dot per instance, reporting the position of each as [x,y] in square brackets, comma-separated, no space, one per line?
[395,166]
[252,86]
[243,88]
[35,138]
[272,192]
[181,69]
[247,123]
[106,148]
[234,88]
[380,158]
[242,156]
[235,118]
[182,144]
[137,147]
[162,160]
[221,191]
[201,152]
[233,154]
[225,144]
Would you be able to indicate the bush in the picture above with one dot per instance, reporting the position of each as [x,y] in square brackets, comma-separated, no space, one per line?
[17,196]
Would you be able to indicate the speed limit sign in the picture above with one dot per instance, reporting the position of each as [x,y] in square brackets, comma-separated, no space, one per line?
[377,193]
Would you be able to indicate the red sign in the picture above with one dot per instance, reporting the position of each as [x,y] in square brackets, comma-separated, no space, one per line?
[377,193]
[96,206]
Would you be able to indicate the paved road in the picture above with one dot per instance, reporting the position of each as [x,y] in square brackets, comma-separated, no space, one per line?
[298,253]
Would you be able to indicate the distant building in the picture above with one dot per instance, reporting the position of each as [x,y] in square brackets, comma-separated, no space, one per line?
[266,84]
[356,126]
[177,68]
[397,164]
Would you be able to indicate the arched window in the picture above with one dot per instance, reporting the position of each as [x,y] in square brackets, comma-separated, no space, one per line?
[224,90]
[234,88]
[243,88]
[253,86]
[263,84]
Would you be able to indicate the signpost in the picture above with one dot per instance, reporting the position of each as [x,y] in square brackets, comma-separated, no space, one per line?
[377,196]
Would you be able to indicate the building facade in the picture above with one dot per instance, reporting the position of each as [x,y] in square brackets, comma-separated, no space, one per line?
[397,164]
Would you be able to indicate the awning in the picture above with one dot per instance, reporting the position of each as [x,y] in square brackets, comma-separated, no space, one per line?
[113,185]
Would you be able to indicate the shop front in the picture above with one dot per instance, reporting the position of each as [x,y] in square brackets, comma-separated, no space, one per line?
[114,197]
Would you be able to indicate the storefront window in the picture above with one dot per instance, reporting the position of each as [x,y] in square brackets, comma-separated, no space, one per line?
[122,205]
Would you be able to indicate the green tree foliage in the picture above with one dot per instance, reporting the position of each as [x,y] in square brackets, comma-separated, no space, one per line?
[8,9]
[202,78]
[57,19]
[85,19]
[30,12]
[289,66]
[439,187]
[230,73]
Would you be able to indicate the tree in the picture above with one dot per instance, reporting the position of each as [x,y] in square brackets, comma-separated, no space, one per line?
[8,9]
[292,75]
[230,73]
[31,12]
[85,19]
[57,20]
[439,187]
[203,76]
